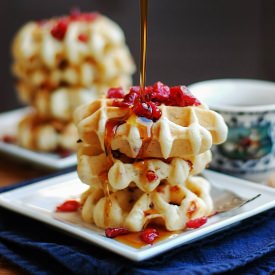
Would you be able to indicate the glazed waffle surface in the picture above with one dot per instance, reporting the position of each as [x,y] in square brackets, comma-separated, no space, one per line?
[94,168]
[171,206]
[180,132]
[141,154]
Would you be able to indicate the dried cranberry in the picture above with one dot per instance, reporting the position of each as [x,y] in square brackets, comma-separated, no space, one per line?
[60,28]
[82,38]
[181,96]
[148,110]
[135,89]
[115,93]
[63,153]
[160,93]
[120,103]
[196,223]
[88,16]
[128,100]
[8,139]
[131,97]
[149,235]
[143,109]
[68,206]
[114,232]
[147,93]
[151,176]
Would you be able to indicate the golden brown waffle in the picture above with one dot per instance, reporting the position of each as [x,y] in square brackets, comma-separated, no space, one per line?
[93,165]
[113,70]
[60,103]
[28,93]
[142,170]
[62,63]
[35,44]
[180,132]
[50,135]
[171,206]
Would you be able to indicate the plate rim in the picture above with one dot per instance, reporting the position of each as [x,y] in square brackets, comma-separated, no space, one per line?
[112,245]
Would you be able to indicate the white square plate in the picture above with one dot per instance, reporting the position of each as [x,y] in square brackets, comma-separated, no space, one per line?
[8,124]
[40,199]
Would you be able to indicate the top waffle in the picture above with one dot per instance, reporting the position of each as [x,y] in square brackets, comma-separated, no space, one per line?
[180,131]
[74,38]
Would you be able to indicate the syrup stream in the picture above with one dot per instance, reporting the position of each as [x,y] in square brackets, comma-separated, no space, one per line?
[112,124]
[143,44]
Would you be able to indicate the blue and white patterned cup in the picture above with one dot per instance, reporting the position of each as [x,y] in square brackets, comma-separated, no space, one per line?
[248,108]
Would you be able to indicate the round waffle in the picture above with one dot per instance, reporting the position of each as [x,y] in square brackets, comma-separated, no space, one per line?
[140,153]
[180,132]
[171,206]
[94,167]
[50,135]
[73,39]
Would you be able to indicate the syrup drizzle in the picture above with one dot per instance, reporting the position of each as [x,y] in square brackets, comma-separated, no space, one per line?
[144,125]
[110,131]
[133,239]
[143,45]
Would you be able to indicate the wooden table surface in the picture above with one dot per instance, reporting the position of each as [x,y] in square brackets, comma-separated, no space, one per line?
[11,172]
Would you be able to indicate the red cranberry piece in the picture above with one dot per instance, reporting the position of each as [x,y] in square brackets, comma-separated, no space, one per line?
[156,112]
[181,96]
[120,103]
[82,38]
[135,89]
[148,110]
[63,153]
[147,93]
[8,139]
[196,223]
[114,232]
[59,29]
[68,206]
[115,93]
[89,16]
[143,109]
[151,176]
[160,93]
[149,235]
[128,100]
[131,97]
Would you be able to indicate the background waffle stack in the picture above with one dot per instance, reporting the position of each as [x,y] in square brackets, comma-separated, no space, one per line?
[62,63]
[143,171]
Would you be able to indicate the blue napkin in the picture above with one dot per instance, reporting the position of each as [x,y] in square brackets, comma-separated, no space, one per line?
[247,248]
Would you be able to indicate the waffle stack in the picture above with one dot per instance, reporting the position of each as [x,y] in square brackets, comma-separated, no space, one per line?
[144,171]
[62,63]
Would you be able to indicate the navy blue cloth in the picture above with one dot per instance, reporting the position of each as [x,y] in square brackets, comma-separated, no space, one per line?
[247,248]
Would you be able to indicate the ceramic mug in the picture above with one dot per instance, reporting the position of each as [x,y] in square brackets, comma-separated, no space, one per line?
[248,108]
